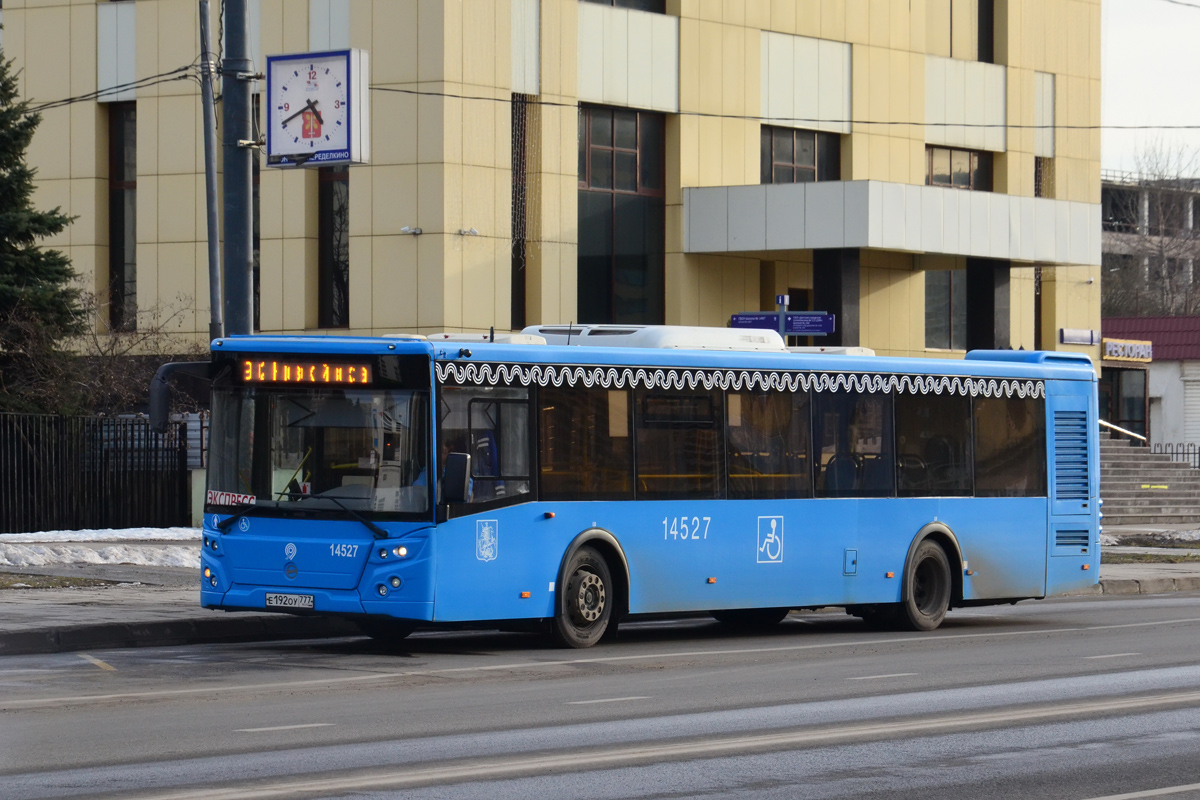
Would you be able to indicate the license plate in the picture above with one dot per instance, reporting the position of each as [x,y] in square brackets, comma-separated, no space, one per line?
[289,601]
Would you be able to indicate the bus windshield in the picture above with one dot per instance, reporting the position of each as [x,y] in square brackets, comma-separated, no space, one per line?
[321,449]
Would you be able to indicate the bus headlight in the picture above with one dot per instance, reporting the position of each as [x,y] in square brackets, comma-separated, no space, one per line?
[395,582]
[382,590]
[400,551]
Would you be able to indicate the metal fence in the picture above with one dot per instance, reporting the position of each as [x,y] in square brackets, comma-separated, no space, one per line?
[1188,452]
[72,473]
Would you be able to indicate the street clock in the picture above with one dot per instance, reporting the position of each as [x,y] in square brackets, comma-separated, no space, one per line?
[318,109]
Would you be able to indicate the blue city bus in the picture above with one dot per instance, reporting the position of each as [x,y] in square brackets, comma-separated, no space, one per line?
[569,478]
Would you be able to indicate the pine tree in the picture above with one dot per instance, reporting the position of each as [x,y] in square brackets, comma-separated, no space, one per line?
[39,305]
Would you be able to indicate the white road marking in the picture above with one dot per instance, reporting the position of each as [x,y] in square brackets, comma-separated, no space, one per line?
[1114,655]
[226,689]
[286,727]
[881,677]
[1169,790]
[607,700]
[97,662]
[575,761]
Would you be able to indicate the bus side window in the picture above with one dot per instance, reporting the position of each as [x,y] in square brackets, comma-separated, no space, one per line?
[766,437]
[933,445]
[852,434]
[1010,447]
[585,447]
[491,424]
[679,447]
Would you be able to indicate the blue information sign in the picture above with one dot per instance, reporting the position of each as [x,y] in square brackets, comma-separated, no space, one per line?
[812,323]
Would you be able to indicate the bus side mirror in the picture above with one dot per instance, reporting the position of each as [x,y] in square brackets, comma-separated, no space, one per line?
[457,478]
[160,390]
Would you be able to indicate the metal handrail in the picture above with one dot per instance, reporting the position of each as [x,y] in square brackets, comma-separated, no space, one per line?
[1119,429]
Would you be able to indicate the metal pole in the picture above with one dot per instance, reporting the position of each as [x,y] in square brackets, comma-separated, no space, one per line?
[216,325]
[237,70]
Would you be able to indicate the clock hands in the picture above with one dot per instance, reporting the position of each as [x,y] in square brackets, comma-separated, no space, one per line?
[310,105]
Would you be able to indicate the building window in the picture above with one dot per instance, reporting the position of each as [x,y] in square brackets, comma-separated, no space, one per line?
[122,216]
[523,110]
[622,229]
[791,156]
[986,49]
[958,169]
[946,309]
[657,6]
[1043,177]
[1119,209]
[333,273]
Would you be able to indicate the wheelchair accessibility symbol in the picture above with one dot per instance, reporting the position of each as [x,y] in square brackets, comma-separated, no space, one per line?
[770,540]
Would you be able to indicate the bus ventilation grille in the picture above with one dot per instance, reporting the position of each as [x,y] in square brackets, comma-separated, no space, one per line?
[1071,477]
[1072,539]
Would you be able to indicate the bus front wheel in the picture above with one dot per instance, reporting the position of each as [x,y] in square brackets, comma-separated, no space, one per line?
[585,600]
[927,586]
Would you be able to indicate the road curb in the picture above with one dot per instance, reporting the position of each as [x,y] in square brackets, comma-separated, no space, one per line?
[1145,586]
[250,628]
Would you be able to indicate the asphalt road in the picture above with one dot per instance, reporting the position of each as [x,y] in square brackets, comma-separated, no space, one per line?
[1077,698]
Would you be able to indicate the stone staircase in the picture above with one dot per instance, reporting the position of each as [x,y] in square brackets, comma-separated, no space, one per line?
[1125,470]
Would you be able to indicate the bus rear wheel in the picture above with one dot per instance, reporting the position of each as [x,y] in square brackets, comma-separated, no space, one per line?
[752,618]
[927,585]
[585,600]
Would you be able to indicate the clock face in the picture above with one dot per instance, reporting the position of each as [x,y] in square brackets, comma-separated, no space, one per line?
[309,111]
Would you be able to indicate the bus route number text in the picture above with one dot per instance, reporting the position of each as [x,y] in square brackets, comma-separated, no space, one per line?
[682,528]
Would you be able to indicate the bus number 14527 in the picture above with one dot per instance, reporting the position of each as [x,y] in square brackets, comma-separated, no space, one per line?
[683,528]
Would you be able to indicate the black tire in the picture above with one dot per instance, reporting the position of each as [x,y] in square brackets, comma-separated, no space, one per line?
[927,589]
[585,600]
[751,618]
[382,629]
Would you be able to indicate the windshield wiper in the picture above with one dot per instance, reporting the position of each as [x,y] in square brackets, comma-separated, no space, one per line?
[241,511]
[379,532]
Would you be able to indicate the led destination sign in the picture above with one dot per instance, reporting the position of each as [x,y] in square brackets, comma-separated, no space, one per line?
[304,372]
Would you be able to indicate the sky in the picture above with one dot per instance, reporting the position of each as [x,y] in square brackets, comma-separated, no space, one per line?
[1150,52]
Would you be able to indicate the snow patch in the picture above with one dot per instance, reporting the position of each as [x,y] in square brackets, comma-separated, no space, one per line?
[106,535]
[40,555]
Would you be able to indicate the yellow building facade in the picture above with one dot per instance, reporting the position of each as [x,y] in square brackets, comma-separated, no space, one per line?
[926,170]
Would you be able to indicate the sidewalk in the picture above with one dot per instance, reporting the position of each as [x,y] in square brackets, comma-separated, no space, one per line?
[160,606]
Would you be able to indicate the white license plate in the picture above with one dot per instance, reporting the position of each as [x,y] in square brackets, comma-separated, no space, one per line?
[289,601]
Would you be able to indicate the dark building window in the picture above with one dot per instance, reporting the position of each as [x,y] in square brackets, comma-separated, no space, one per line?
[787,155]
[958,169]
[1119,209]
[122,216]
[1043,177]
[657,6]
[522,118]
[986,51]
[1166,212]
[333,273]
[946,309]
[622,228]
